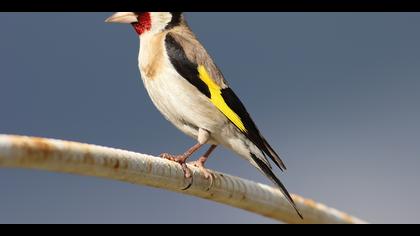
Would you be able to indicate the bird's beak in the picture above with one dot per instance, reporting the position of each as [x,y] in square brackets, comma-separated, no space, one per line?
[122,17]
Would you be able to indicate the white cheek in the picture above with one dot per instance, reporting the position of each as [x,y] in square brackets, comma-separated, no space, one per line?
[159,20]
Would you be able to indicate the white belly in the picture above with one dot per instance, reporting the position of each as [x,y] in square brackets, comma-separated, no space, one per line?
[180,102]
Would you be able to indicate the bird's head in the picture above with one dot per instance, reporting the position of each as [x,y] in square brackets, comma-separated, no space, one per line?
[147,22]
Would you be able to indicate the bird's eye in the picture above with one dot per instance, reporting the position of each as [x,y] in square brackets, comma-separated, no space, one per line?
[139,14]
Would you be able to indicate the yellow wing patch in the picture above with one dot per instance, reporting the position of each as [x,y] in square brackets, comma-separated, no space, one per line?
[217,99]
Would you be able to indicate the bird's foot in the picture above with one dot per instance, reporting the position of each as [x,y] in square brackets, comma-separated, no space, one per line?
[180,159]
[200,164]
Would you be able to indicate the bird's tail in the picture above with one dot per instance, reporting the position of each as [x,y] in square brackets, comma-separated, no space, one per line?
[266,170]
[273,155]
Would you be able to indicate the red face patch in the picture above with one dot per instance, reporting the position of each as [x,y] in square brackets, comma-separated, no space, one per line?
[144,23]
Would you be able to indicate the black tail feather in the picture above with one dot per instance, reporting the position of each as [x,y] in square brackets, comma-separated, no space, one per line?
[269,173]
[274,156]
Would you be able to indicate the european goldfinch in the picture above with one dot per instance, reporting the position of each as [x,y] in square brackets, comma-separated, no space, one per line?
[186,86]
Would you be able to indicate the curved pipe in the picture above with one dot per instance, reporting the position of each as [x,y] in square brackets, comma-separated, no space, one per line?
[91,160]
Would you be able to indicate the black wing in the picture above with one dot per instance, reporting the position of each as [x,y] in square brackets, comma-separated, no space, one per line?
[188,69]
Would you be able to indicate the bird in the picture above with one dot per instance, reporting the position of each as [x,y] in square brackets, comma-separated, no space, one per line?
[190,91]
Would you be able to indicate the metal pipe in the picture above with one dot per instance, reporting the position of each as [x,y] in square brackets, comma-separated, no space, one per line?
[91,160]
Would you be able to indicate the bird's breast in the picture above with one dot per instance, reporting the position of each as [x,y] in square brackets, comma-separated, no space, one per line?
[179,101]
[152,55]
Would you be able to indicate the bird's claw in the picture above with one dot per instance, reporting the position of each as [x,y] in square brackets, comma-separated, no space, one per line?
[176,158]
[180,159]
[199,164]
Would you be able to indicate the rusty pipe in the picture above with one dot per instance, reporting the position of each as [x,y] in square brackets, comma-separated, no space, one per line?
[97,161]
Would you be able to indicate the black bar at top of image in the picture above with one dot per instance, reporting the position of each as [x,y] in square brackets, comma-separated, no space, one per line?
[209,5]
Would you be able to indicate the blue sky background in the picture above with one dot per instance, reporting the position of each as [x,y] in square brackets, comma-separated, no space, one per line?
[336,93]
